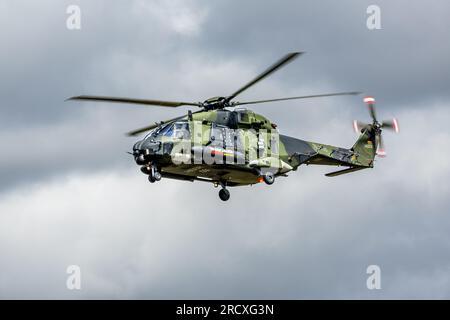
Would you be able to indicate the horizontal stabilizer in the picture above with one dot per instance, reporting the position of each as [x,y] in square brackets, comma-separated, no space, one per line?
[338,173]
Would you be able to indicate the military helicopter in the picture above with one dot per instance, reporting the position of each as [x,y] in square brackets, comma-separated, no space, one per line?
[227,145]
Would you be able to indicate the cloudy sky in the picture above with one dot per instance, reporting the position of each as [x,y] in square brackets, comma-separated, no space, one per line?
[70,195]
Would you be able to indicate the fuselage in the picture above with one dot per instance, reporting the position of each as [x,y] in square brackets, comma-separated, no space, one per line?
[221,145]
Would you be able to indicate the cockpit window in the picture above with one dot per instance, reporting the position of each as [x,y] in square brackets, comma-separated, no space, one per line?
[178,130]
[166,130]
[151,133]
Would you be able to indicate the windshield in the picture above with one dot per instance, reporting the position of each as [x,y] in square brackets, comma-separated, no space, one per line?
[167,130]
[151,133]
[178,130]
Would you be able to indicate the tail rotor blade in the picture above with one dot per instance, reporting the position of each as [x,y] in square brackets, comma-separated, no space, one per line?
[370,101]
[358,126]
[391,125]
[381,151]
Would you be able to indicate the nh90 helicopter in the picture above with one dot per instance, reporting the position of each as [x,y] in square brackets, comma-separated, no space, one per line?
[230,146]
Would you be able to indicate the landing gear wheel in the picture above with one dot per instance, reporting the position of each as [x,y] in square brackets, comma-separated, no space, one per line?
[224,194]
[153,175]
[269,178]
[157,176]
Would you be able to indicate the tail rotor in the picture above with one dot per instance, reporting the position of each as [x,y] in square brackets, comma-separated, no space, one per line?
[376,126]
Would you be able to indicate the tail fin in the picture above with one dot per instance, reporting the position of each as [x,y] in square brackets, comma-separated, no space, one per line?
[366,147]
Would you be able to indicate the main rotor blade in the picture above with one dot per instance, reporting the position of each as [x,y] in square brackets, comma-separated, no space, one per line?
[155,125]
[300,97]
[286,59]
[140,130]
[134,101]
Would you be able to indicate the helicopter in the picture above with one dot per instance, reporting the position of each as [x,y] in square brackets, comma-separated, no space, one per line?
[228,145]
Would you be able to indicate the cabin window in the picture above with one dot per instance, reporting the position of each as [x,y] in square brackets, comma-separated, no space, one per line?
[274,143]
[217,135]
[225,137]
[181,130]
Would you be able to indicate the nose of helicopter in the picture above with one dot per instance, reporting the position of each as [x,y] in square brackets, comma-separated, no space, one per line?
[137,147]
[143,150]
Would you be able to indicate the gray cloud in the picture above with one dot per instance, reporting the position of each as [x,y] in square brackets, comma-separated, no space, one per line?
[70,195]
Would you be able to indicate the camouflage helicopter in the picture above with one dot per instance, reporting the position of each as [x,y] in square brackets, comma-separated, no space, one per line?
[227,145]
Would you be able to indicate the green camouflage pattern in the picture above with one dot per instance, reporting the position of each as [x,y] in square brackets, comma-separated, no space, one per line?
[178,162]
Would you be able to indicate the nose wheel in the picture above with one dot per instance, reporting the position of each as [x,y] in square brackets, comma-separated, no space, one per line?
[153,175]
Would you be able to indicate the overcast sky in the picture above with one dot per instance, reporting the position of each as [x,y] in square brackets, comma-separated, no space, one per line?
[71,195]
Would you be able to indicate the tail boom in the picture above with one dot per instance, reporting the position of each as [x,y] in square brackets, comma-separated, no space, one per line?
[300,152]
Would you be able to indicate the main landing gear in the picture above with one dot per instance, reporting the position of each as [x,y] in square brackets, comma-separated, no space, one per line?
[268,178]
[224,194]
